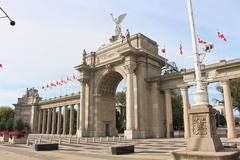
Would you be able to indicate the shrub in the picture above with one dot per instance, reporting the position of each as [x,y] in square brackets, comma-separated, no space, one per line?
[2,126]
[9,125]
[19,124]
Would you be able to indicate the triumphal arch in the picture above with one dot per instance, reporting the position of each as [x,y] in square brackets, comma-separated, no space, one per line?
[91,112]
[134,59]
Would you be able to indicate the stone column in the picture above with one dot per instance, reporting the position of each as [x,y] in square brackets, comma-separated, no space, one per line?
[54,121]
[81,130]
[169,119]
[185,112]
[44,122]
[78,116]
[129,133]
[59,120]
[65,117]
[71,120]
[206,89]
[40,118]
[49,121]
[34,119]
[229,110]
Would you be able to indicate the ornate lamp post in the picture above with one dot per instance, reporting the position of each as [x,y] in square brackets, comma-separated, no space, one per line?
[12,23]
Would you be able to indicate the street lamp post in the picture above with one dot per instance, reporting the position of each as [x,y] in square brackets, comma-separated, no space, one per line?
[12,23]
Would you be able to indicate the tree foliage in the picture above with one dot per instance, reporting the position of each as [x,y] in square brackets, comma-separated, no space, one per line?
[19,124]
[177,107]
[2,126]
[10,124]
[121,98]
[6,113]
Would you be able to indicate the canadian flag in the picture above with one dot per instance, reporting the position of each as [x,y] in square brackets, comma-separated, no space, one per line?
[74,77]
[200,41]
[69,79]
[53,85]
[181,48]
[1,66]
[221,36]
[58,83]
[62,81]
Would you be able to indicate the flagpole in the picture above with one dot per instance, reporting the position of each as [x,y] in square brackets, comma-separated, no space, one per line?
[200,96]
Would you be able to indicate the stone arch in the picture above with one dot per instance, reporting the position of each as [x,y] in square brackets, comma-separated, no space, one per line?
[108,81]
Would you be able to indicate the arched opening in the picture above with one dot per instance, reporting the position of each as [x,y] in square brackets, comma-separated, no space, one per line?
[111,115]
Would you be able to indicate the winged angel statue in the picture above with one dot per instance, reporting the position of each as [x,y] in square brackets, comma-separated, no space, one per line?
[117,22]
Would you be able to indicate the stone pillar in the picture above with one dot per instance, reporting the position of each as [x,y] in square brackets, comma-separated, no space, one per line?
[59,120]
[49,121]
[78,116]
[229,110]
[206,89]
[54,121]
[65,117]
[71,120]
[81,130]
[44,122]
[40,118]
[185,112]
[34,119]
[169,119]
[129,132]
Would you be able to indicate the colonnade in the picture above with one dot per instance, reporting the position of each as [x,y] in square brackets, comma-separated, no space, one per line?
[231,130]
[51,121]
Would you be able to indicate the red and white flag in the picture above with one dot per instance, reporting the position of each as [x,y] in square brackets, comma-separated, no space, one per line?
[201,41]
[1,66]
[63,82]
[222,36]
[163,49]
[58,83]
[69,79]
[53,85]
[181,48]
[74,77]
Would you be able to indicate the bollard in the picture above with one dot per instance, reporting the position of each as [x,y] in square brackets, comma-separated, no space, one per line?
[78,140]
[86,140]
[59,140]
[69,140]
[93,139]
[100,139]
[113,138]
[107,139]
[119,138]
[40,140]
[27,142]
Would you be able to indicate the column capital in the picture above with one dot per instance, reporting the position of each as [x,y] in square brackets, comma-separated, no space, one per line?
[130,67]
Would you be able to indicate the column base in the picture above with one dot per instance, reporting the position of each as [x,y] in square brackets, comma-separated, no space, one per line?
[196,155]
[81,133]
[131,134]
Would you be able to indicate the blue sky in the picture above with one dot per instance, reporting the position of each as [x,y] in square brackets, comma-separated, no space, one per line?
[49,36]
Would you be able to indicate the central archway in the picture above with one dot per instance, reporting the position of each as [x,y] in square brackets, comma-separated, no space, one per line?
[106,110]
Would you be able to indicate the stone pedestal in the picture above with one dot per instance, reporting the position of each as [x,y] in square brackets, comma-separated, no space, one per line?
[204,143]
[131,134]
[81,133]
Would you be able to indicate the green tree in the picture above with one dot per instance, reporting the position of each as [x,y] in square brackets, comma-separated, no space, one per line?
[121,98]
[177,107]
[2,126]
[19,124]
[10,124]
[120,120]
[6,113]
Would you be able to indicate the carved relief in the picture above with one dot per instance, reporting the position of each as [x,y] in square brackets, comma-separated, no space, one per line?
[199,125]
[130,68]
